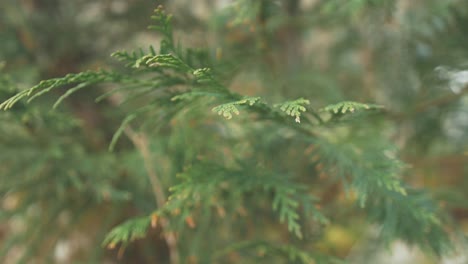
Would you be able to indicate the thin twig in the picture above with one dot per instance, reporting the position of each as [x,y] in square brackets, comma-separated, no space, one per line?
[141,143]
[140,140]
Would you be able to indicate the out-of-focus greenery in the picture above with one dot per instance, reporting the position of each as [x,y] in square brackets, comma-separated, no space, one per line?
[273,131]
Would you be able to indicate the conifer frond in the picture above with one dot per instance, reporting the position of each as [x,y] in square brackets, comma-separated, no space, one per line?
[163,21]
[163,25]
[165,84]
[294,108]
[131,58]
[365,168]
[228,109]
[82,79]
[205,79]
[203,75]
[204,181]
[164,61]
[130,230]
[399,215]
[287,207]
[348,107]
[373,176]
[189,96]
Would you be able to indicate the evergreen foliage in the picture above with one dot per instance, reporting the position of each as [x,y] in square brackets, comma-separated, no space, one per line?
[258,187]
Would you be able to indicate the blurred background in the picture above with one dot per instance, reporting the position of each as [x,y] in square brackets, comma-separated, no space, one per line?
[61,190]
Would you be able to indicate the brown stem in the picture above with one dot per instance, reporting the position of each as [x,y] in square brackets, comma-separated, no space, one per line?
[140,140]
[141,143]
